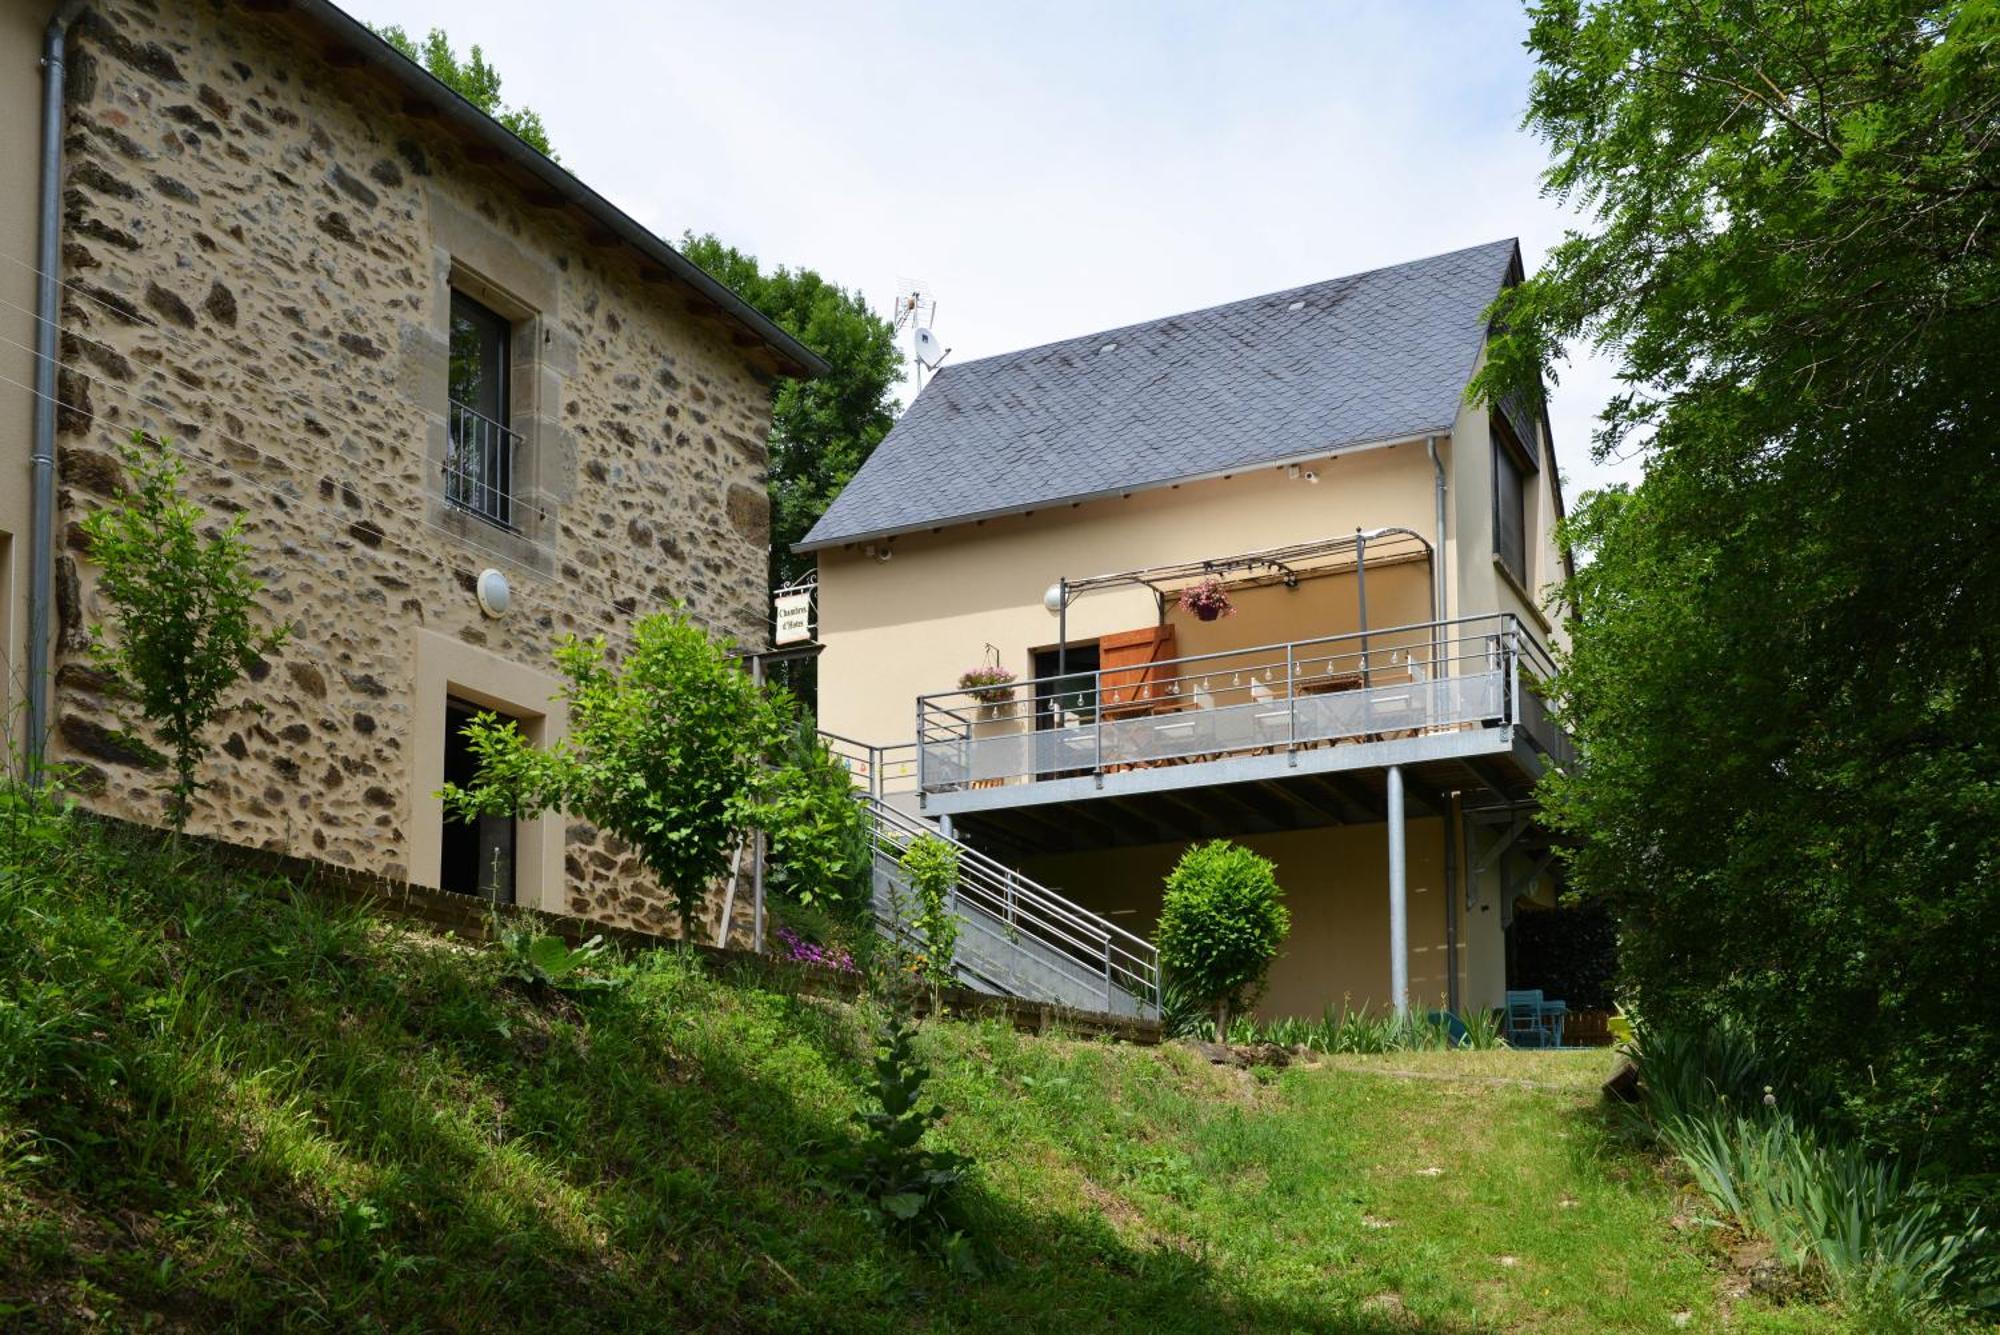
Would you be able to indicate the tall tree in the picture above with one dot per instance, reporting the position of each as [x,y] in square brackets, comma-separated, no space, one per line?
[472,79]
[821,430]
[1785,678]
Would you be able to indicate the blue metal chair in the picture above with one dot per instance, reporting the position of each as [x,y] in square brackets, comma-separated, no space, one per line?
[1554,1013]
[1524,1020]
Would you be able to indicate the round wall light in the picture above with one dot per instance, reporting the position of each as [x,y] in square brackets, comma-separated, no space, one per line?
[493,592]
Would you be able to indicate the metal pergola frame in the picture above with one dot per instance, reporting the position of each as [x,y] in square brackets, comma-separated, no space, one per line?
[1269,566]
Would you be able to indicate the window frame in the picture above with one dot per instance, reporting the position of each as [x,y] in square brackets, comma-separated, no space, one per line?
[1509,455]
[481,257]
[483,486]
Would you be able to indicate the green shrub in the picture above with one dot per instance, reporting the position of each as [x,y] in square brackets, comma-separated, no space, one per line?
[1340,1029]
[1183,1014]
[1882,1237]
[538,961]
[931,865]
[663,751]
[821,850]
[1221,924]
[181,605]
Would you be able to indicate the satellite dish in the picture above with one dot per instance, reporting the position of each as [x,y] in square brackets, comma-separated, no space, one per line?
[929,351]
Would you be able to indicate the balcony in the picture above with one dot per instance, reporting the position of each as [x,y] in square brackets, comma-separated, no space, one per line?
[479,466]
[1087,758]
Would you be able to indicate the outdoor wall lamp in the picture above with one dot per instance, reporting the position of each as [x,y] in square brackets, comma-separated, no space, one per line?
[493,593]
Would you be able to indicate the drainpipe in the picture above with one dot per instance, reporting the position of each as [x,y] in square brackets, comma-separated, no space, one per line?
[1440,668]
[1451,904]
[42,460]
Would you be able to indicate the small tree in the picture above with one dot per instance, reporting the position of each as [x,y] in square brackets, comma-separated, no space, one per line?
[915,1193]
[931,864]
[181,610]
[663,751]
[1221,924]
[822,849]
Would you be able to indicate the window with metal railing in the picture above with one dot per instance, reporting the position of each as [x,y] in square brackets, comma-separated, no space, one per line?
[480,462]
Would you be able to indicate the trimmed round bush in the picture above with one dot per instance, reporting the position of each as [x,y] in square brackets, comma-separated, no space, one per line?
[1221,924]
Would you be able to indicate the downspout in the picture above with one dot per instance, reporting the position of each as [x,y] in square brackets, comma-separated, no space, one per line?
[1439,667]
[1451,982]
[42,460]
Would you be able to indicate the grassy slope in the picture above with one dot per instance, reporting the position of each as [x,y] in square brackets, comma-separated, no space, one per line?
[226,1104]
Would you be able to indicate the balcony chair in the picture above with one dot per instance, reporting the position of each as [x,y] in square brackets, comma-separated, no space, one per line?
[1524,1020]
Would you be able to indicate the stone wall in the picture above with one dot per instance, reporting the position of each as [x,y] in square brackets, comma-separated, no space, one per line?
[259,250]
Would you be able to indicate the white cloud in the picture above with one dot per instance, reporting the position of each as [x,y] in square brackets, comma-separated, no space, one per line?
[1050,169]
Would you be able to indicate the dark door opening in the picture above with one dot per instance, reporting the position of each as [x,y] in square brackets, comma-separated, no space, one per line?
[1066,701]
[479,853]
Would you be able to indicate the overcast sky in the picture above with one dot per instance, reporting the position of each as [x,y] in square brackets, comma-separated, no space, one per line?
[1053,169]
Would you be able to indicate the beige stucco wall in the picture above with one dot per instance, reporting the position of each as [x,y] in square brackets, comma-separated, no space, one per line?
[1336,888]
[263,249]
[20,140]
[1480,583]
[897,629]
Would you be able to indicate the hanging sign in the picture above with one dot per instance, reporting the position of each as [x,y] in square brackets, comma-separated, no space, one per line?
[792,617]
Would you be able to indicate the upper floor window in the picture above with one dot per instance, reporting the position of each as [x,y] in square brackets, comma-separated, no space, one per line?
[1510,506]
[480,465]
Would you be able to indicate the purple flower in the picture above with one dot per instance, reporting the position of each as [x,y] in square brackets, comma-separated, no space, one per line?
[801,951]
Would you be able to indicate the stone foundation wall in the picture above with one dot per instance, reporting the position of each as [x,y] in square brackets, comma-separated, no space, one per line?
[259,251]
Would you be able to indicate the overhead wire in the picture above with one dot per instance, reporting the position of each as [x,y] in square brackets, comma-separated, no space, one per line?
[618,608]
[636,596]
[652,571]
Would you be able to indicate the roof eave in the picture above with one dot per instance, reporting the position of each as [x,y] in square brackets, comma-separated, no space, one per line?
[793,357]
[810,545]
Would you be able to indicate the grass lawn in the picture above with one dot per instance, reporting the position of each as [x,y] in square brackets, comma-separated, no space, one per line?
[225,1104]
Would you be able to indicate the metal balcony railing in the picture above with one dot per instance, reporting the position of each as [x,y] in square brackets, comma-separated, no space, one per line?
[1018,936]
[479,465]
[880,771]
[1398,681]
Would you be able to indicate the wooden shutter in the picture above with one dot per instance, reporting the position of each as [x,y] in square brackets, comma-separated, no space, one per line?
[1130,663]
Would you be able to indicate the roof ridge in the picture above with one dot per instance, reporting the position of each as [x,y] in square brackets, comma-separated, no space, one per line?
[1229,305]
[1377,356]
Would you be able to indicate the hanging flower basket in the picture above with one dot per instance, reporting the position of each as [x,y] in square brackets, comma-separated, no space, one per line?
[988,684]
[1207,600]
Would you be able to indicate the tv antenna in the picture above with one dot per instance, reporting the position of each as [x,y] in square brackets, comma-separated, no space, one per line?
[916,310]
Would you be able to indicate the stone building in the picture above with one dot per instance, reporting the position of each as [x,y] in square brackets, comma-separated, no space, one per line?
[410,351]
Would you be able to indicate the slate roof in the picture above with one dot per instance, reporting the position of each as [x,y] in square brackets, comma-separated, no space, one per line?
[1374,356]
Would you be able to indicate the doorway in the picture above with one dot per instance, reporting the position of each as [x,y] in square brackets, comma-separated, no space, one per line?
[478,854]
[1063,703]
